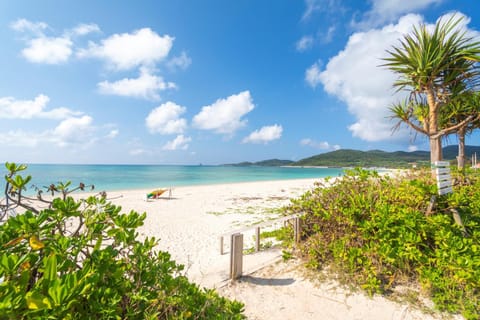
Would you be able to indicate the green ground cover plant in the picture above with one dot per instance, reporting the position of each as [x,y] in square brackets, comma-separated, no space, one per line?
[82,259]
[378,233]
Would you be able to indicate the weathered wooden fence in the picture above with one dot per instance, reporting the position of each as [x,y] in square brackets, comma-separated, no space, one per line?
[236,241]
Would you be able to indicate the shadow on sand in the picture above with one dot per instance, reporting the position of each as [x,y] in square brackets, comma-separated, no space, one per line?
[267,281]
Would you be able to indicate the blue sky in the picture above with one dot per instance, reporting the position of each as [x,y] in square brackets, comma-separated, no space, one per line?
[212,82]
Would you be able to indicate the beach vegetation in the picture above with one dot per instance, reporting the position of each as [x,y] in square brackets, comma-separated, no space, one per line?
[287,255]
[381,234]
[434,67]
[265,245]
[283,234]
[83,259]
[216,213]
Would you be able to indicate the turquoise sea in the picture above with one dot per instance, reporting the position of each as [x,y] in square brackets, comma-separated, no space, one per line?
[123,177]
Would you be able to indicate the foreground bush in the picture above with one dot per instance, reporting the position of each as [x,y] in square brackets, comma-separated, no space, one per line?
[82,260]
[375,231]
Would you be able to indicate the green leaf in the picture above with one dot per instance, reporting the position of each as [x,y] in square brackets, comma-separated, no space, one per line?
[36,301]
[58,292]
[50,267]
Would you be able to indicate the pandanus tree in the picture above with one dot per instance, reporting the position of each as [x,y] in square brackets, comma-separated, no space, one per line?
[434,67]
[464,106]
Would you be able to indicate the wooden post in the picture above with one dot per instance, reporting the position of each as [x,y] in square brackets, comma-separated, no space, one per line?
[221,245]
[458,221]
[257,239]
[431,205]
[297,229]
[236,256]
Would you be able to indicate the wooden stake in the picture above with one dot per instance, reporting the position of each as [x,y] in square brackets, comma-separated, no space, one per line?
[431,205]
[297,229]
[236,256]
[221,245]
[458,221]
[257,239]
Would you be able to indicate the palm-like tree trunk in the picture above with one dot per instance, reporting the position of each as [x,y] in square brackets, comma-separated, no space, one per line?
[435,149]
[461,149]
[433,127]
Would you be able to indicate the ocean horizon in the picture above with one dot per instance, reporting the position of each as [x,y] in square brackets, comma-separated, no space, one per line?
[133,177]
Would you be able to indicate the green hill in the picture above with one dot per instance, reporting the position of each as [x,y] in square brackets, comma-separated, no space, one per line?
[274,162]
[372,158]
[378,158]
[451,152]
[264,163]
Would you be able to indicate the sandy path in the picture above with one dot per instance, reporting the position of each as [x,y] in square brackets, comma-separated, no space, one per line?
[190,223]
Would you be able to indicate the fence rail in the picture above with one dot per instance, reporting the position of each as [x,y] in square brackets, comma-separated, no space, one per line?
[236,241]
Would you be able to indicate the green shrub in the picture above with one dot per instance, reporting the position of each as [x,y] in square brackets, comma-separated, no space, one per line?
[83,260]
[375,231]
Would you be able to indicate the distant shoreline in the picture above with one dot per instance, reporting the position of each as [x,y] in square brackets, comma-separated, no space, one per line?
[138,177]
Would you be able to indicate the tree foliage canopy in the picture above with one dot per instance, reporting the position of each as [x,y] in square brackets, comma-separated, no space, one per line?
[434,66]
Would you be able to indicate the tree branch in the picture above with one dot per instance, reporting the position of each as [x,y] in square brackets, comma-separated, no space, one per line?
[415,127]
[454,128]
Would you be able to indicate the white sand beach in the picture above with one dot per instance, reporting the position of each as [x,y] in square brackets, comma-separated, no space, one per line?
[190,223]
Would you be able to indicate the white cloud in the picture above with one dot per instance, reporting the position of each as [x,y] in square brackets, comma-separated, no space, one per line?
[112,134]
[328,36]
[23,25]
[312,74]
[125,51]
[183,61]
[304,43]
[412,148]
[41,48]
[313,6]
[77,132]
[20,138]
[59,113]
[138,152]
[11,108]
[462,25]
[74,131]
[146,86]
[165,119]
[264,135]
[356,77]
[365,87]
[179,143]
[84,29]
[225,115]
[307,42]
[388,11]
[48,50]
[71,131]
[323,145]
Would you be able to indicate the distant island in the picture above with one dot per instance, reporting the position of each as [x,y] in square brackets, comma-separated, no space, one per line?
[366,159]
[265,163]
